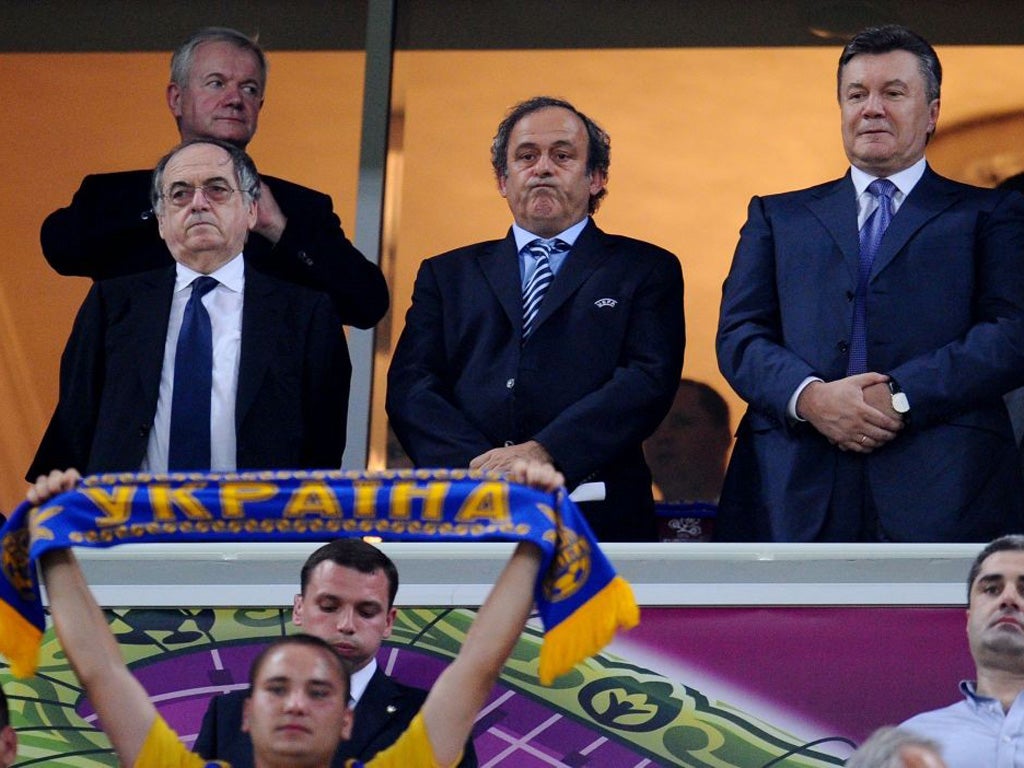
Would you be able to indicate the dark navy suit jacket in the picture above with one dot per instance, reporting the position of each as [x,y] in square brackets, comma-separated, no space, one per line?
[293,378]
[593,380]
[384,712]
[110,231]
[945,318]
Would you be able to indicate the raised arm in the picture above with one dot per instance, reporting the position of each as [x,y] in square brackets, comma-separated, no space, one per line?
[461,690]
[122,704]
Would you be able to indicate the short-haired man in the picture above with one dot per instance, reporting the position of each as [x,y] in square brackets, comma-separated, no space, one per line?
[298,710]
[8,737]
[896,748]
[205,364]
[346,598]
[874,355]
[557,343]
[218,82]
[987,726]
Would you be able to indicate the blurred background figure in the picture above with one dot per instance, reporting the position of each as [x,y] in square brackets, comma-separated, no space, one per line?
[8,738]
[687,455]
[896,748]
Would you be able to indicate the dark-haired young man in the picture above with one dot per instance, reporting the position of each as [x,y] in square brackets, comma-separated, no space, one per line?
[298,709]
[346,598]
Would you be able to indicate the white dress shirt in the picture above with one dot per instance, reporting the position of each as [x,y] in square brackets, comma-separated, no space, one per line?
[224,304]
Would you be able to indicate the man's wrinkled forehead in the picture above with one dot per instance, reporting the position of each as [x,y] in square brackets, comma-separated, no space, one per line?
[204,163]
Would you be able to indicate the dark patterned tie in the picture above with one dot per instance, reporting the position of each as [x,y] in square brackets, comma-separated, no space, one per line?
[870,238]
[193,382]
[537,285]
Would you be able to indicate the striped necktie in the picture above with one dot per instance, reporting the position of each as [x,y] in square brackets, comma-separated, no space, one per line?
[540,280]
[870,239]
[189,446]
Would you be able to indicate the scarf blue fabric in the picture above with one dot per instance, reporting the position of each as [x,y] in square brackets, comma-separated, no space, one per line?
[580,599]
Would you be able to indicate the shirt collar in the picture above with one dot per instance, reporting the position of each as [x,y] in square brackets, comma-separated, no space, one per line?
[524,238]
[359,681]
[231,275]
[905,180]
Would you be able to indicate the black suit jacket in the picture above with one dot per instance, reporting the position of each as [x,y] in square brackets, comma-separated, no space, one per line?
[384,712]
[593,380]
[945,320]
[293,378]
[109,230]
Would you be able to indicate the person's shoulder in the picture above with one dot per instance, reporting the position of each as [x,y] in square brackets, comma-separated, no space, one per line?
[118,179]
[937,720]
[229,702]
[637,248]
[457,257]
[289,190]
[410,693]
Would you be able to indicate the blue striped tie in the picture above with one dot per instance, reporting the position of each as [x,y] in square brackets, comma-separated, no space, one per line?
[870,239]
[189,446]
[537,285]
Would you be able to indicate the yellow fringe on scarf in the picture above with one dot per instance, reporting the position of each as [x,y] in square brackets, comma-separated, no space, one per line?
[19,642]
[588,629]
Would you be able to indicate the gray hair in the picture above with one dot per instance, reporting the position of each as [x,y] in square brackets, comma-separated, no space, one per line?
[893,37]
[183,58]
[247,179]
[884,748]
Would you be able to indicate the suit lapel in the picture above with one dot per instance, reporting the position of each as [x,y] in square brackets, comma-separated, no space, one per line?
[261,323]
[588,253]
[151,314]
[929,197]
[376,707]
[500,264]
[835,206]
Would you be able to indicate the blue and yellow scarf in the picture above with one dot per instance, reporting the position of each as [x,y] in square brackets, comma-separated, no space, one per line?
[581,601]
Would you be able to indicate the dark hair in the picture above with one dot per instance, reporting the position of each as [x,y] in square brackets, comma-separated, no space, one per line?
[1014,542]
[310,641]
[356,554]
[5,714]
[599,143]
[247,178]
[710,400]
[893,37]
[183,58]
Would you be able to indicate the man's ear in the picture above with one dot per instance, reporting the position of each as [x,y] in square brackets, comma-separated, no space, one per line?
[174,99]
[297,610]
[246,706]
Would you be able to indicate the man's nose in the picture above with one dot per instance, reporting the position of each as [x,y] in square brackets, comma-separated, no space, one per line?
[345,623]
[295,701]
[232,95]
[874,105]
[199,200]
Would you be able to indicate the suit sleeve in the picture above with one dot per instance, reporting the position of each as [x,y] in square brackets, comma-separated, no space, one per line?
[314,251]
[420,404]
[628,407]
[206,741]
[327,377]
[988,359]
[68,439]
[752,355]
[108,230]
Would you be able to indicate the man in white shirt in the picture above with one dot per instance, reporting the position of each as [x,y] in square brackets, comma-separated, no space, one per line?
[986,727]
[203,365]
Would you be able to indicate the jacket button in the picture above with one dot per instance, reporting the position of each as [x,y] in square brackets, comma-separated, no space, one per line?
[510,384]
[850,295]
[305,259]
[843,346]
[144,430]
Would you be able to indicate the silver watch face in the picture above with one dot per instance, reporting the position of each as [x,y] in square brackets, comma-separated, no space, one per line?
[900,404]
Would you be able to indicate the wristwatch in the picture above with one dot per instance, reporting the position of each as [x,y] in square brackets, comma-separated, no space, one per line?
[900,403]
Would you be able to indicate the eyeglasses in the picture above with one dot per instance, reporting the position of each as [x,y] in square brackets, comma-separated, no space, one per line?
[181,195]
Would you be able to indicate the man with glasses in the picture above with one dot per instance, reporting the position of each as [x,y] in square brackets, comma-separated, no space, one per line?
[205,365]
[218,83]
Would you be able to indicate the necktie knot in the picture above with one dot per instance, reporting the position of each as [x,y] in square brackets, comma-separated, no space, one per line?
[202,285]
[538,248]
[882,188]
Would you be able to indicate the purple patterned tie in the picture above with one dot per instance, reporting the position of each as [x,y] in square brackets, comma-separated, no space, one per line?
[870,238]
[537,285]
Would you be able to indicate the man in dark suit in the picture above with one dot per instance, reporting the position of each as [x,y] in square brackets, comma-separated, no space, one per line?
[347,595]
[218,77]
[874,370]
[276,364]
[557,343]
